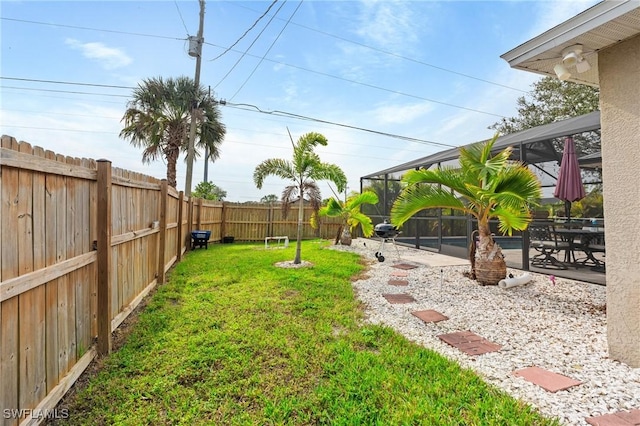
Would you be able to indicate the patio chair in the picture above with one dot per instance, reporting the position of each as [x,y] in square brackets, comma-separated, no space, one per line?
[591,245]
[543,239]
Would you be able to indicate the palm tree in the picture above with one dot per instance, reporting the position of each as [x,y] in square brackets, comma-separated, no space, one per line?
[483,186]
[351,215]
[158,118]
[303,171]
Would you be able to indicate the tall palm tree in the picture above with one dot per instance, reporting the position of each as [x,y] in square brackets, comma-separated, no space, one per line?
[303,171]
[483,186]
[158,118]
[351,215]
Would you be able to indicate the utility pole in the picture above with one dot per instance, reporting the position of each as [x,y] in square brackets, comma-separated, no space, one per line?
[206,153]
[194,105]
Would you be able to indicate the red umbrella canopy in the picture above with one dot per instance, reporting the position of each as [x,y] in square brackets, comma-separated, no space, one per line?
[569,186]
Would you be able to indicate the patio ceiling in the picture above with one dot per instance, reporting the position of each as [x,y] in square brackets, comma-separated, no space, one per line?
[601,26]
[538,141]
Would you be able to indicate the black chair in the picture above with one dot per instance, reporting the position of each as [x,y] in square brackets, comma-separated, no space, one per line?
[591,244]
[543,239]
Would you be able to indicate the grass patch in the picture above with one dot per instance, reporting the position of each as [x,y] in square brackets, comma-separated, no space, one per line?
[231,339]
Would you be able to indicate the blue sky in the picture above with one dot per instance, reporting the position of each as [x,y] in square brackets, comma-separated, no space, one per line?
[427,70]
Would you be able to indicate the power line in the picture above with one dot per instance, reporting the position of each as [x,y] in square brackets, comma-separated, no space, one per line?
[33,80]
[268,50]
[235,142]
[65,91]
[369,146]
[90,29]
[247,31]
[253,108]
[302,117]
[297,67]
[246,52]
[372,86]
[386,52]
[181,18]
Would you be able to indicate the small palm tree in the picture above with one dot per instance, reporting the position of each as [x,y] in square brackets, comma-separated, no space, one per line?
[351,215]
[483,186]
[158,118]
[303,171]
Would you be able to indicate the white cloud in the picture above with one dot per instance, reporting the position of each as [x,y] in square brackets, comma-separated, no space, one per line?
[390,24]
[109,57]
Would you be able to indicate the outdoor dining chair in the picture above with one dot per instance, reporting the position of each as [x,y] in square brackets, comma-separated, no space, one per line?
[543,239]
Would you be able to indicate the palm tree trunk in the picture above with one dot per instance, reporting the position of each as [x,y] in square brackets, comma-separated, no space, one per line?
[298,260]
[172,159]
[490,266]
[487,248]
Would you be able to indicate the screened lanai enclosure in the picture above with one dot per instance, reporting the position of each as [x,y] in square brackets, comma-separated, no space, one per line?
[541,148]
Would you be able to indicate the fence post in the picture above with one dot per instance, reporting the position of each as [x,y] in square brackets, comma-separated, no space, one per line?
[223,219]
[103,246]
[199,216]
[180,218]
[189,222]
[163,231]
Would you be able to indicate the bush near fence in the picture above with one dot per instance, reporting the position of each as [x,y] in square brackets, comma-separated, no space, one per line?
[82,244]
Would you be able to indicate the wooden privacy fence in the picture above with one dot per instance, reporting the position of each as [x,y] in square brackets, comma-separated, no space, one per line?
[82,244]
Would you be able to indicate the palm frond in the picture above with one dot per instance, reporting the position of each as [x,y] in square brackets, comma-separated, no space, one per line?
[330,172]
[363,220]
[366,197]
[416,198]
[289,196]
[273,166]
[312,193]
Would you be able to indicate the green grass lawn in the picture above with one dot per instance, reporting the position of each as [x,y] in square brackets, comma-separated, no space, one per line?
[232,339]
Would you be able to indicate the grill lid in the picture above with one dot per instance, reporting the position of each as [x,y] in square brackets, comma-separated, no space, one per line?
[386,230]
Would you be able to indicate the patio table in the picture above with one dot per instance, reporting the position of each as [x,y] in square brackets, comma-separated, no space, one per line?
[587,238]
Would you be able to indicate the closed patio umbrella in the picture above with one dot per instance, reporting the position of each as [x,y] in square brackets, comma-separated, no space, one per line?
[569,187]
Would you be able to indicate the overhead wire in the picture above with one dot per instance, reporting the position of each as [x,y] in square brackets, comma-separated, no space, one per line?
[90,29]
[66,91]
[373,86]
[281,63]
[245,53]
[387,52]
[302,117]
[246,32]
[181,18]
[268,50]
[240,106]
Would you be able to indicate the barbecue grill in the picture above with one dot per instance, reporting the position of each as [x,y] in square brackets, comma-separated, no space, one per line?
[387,233]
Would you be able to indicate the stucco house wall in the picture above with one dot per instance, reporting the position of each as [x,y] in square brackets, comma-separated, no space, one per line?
[619,72]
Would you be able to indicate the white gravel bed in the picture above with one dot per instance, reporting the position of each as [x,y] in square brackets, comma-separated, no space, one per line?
[559,327]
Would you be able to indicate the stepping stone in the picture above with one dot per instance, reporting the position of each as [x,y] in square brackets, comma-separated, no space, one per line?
[399,298]
[430,316]
[398,282]
[549,381]
[404,266]
[469,343]
[621,418]
[399,274]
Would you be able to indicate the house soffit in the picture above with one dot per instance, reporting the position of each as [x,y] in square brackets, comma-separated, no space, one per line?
[597,28]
